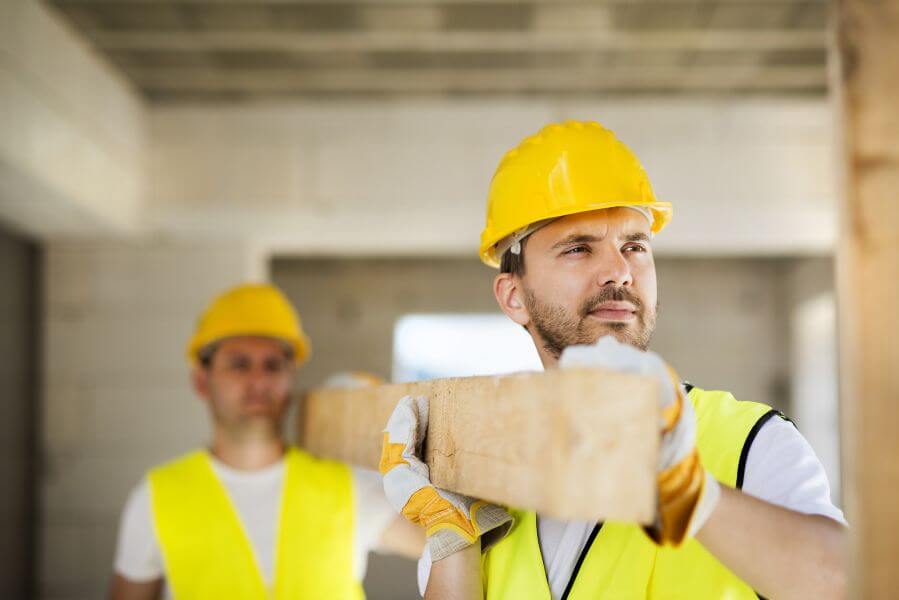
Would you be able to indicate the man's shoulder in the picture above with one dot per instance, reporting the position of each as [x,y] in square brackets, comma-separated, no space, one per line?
[721,404]
[725,431]
[137,505]
[316,467]
[181,465]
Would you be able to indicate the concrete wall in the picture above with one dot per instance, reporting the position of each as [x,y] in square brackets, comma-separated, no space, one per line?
[19,318]
[350,306]
[71,153]
[116,394]
[723,325]
[411,176]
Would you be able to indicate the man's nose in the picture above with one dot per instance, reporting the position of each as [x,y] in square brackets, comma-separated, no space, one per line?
[614,270]
[260,376]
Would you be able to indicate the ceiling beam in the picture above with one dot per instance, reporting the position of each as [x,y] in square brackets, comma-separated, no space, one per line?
[462,41]
[293,81]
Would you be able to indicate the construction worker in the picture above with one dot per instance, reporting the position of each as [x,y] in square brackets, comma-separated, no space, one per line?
[251,517]
[743,503]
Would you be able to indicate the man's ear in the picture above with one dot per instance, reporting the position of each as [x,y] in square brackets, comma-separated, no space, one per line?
[509,293]
[199,378]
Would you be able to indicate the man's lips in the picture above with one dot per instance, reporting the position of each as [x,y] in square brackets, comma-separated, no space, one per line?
[615,311]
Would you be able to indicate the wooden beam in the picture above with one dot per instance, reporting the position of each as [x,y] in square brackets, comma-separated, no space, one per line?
[493,80]
[866,81]
[574,443]
[461,41]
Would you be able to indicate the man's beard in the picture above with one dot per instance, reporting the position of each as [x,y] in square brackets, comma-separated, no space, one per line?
[559,329]
[243,425]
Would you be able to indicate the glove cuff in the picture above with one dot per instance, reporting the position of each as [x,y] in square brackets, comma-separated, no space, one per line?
[444,542]
[494,523]
[491,524]
[688,494]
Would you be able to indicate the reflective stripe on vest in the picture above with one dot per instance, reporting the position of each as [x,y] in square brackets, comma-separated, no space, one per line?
[622,562]
[207,553]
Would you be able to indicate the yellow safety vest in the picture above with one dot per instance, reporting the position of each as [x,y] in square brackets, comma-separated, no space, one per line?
[207,554]
[620,561]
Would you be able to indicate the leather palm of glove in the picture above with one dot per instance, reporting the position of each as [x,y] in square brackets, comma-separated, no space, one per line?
[687,493]
[452,521]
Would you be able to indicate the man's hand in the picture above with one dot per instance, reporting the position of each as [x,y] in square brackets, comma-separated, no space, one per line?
[687,492]
[452,522]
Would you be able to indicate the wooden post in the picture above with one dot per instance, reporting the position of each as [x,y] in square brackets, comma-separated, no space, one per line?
[865,77]
[572,443]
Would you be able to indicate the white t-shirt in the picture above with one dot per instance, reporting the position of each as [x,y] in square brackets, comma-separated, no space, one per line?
[781,468]
[256,496]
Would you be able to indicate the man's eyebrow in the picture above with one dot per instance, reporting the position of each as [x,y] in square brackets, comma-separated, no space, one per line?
[576,238]
[583,238]
[636,237]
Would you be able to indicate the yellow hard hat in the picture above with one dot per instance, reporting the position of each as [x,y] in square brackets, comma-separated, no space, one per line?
[567,168]
[250,309]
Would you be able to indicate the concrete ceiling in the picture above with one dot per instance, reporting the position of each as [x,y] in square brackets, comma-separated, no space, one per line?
[175,50]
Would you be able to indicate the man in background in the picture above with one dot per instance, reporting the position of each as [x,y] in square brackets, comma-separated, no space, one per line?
[250,516]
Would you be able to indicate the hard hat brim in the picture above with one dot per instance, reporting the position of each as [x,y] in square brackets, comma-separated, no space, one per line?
[662,213]
[300,346]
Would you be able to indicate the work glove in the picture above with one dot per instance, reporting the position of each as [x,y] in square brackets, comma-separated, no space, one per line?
[687,492]
[452,521]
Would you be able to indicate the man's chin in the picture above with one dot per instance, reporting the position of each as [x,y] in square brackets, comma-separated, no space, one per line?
[260,406]
[625,333]
[259,414]
[603,328]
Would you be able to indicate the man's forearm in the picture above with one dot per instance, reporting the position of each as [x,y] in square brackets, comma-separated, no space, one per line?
[780,553]
[457,577]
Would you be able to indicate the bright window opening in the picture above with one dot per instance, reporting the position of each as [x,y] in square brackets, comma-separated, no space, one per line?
[440,345]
